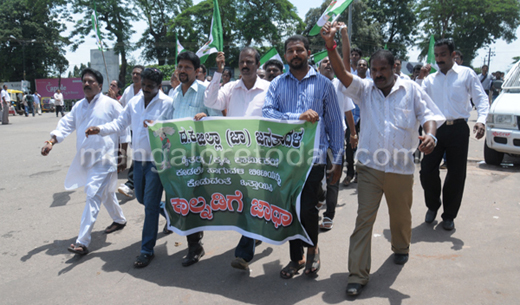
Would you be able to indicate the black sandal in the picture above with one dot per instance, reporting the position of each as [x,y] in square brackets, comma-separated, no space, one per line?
[313,262]
[143,260]
[291,269]
[74,249]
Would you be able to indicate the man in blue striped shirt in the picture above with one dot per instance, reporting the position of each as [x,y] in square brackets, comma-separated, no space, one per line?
[303,94]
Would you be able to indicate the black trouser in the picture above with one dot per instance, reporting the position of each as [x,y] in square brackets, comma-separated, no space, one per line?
[332,190]
[350,152]
[308,212]
[130,177]
[454,141]
[59,109]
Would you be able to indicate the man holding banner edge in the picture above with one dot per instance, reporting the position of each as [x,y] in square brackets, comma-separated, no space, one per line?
[303,94]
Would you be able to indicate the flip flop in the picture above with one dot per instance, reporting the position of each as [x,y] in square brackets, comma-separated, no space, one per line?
[291,269]
[313,261]
[346,181]
[326,224]
[74,249]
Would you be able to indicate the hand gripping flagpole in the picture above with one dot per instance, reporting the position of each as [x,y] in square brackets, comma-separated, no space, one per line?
[95,27]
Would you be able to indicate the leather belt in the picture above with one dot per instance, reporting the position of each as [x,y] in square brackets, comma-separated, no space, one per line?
[453,122]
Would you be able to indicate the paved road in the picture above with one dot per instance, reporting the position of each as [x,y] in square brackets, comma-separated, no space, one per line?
[477,263]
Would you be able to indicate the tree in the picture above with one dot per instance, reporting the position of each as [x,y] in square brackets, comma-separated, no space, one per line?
[245,23]
[114,17]
[158,42]
[76,71]
[366,33]
[472,24]
[398,23]
[30,36]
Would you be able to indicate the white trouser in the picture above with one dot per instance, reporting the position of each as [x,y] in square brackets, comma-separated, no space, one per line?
[93,204]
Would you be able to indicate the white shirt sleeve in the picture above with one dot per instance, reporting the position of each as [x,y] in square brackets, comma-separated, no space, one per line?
[215,98]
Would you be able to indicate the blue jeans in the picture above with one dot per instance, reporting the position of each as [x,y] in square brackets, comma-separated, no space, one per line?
[148,191]
[245,248]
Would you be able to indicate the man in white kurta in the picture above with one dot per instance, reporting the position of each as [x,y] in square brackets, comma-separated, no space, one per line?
[95,163]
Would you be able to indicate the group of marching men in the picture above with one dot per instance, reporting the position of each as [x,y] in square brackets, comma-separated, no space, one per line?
[391,109]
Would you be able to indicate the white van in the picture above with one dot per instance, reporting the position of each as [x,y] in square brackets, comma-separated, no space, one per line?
[503,121]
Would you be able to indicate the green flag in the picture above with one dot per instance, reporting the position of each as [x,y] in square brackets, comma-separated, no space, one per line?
[319,56]
[431,56]
[336,7]
[216,36]
[178,48]
[95,28]
[271,54]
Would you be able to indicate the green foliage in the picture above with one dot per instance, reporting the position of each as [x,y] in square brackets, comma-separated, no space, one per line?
[36,28]
[166,69]
[366,32]
[472,24]
[398,23]
[516,59]
[115,21]
[76,71]
[157,40]
[245,23]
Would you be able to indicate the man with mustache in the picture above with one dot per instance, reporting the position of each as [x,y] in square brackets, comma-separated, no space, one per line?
[149,105]
[188,102]
[235,97]
[273,68]
[134,89]
[95,165]
[451,89]
[303,94]
[391,111]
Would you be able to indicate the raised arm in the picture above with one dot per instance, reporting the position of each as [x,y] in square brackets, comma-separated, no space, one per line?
[345,44]
[327,33]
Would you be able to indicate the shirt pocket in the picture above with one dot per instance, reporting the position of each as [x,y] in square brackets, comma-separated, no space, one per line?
[404,118]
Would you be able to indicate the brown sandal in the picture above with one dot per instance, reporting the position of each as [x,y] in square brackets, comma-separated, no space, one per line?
[78,249]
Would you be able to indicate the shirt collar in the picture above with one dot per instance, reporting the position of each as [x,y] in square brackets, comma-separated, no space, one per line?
[94,100]
[194,86]
[255,86]
[312,73]
[398,84]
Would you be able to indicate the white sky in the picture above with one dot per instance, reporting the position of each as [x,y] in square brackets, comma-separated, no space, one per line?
[501,61]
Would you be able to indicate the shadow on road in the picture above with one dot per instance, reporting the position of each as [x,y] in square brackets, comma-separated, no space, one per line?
[431,233]
[60,199]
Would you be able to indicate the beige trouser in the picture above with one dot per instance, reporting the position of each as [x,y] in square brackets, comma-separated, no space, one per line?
[398,193]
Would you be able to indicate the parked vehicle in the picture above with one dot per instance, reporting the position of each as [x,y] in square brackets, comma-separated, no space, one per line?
[503,121]
[47,104]
[16,102]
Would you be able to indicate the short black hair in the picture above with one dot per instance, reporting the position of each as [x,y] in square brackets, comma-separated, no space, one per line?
[228,71]
[297,38]
[458,52]
[274,62]
[203,67]
[138,67]
[397,58]
[97,75]
[153,74]
[485,66]
[358,50]
[120,84]
[255,51]
[385,54]
[189,55]
[446,41]
[417,67]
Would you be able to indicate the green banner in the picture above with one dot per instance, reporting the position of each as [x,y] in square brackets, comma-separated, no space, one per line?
[245,175]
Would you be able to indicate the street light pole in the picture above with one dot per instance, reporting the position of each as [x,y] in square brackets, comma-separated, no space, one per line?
[22,42]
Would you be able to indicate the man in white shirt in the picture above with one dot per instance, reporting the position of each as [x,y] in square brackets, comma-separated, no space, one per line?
[134,89]
[95,165]
[451,89]
[149,105]
[201,75]
[485,79]
[391,111]
[398,69]
[235,96]
[5,98]
[59,102]
[37,102]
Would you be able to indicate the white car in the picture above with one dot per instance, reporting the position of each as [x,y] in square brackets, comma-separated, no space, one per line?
[503,121]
